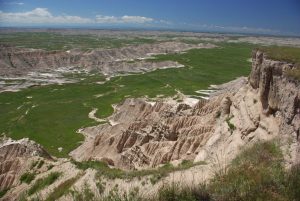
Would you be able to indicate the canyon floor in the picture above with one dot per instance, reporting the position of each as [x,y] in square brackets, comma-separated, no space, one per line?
[105,115]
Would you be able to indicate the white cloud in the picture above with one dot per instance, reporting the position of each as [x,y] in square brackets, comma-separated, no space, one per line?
[135,19]
[40,16]
[15,3]
[43,16]
[124,19]
[242,29]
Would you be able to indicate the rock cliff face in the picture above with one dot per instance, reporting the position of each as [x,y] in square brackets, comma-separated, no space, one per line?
[14,157]
[142,134]
[278,93]
[19,61]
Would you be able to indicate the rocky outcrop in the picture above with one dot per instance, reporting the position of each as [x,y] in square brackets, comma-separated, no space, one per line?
[19,61]
[279,93]
[147,135]
[144,134]
[14,157]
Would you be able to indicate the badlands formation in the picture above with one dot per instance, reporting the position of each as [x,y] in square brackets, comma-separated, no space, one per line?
[142,134]
[20,61]
[24,67]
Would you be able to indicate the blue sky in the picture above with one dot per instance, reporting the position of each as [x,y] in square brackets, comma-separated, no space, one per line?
[253,16]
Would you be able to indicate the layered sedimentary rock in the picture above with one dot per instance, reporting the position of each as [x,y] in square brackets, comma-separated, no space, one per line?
[19,61]
[277,91]
[143,134]
[14,157]
[146,135]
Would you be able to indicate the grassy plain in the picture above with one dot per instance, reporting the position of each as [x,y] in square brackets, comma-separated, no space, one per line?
[289,54]
[52,114]
[53,41]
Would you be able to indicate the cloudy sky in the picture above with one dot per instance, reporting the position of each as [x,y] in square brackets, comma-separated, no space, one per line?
[248,16]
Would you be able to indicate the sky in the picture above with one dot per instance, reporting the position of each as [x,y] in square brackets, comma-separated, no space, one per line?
[243,16]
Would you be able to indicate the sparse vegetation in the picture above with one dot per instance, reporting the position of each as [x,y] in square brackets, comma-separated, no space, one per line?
[62,189]
[155,174]
[230,125]
[256,174]
[27,177]
[43,182]
[50,167]
[33,164]
[295,73]
[288,54]
[175,192]
[115,195]
[100,186]
[41,163]
[85,194]
[3,192]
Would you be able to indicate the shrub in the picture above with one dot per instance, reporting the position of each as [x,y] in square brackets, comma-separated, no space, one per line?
[41,163]
[33,164]
[85,195]
[62,189]
[115,195]
[175,192]
[295,73]
[50,167]
[43,182]
[27,177]
[112,173]
[101,187]
[293,182]
[3,192]
[230,125]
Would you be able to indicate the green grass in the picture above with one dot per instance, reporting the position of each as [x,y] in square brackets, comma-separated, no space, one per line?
[289,54]
[55,41]
[256,174]
[175,192]
[295,73]
[62,109]
[27,177]
[41,163]
[62,189]
[230,125]
[43,182]
[103,170]
[3,192]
